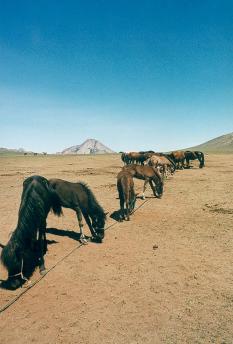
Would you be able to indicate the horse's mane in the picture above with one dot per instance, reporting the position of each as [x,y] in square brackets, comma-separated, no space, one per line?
[93,203]
[33,207]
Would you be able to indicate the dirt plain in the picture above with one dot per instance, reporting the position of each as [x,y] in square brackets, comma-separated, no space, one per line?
[166,276]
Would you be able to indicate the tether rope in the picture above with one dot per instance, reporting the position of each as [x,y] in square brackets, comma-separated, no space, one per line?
[24,290]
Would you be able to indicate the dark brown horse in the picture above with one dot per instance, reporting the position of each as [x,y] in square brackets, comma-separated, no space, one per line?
[127,196]
[27,246]
[150,175]
[189,155]
[80,198]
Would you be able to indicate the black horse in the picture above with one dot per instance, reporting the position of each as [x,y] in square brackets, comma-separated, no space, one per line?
[80,198]
[189,155]
[27,246]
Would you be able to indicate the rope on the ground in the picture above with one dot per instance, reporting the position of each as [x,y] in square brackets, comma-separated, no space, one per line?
[30,285]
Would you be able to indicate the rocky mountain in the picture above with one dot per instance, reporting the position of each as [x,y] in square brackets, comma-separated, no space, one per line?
[90,146]
[221,144]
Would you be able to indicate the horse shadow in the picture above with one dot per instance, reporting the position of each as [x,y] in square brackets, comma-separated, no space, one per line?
[71,234]
[64,232]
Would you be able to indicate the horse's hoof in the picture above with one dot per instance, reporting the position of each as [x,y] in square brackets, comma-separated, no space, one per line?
[43,272]
[28,283]
[97,240]
[83,241]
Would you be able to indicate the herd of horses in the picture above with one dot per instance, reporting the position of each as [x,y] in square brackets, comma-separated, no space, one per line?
[27,245]
[176,158]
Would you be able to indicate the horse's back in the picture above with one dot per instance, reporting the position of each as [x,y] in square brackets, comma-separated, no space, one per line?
[70,194]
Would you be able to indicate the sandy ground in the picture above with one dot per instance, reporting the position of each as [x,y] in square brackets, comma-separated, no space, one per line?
[164,277]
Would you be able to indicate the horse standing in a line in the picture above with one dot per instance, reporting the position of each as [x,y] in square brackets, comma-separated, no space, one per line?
[80,198]
[163,165]
[178,157]
[23,251]
[150,175]
[189,155]
[127,196]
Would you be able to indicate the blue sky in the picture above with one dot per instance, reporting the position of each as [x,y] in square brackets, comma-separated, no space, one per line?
[133,74]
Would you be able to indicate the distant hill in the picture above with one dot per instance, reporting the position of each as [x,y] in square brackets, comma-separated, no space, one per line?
[90,146]
[4,150]
[221,144]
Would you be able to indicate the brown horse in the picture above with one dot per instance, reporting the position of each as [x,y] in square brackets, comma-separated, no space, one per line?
[150,175]
[178,157]
[163,165]
[127,196]
[80,198]
[136,157]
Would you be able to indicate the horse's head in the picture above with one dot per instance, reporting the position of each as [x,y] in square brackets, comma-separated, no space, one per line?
[98,223]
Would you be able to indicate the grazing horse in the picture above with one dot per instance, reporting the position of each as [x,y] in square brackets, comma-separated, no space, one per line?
[23,251]
[150,175]
[163,165]
[127,196]
[178,157]
[189,155]
[80,198]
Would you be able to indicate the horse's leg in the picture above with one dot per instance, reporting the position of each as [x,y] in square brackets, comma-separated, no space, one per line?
[144,188]
[153,188]
[80,222]
[42,247]
[86,216]
[127,210]
[122,211]
[165,169]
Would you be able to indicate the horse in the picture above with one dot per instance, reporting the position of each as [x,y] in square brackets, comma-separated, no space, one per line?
[163,165]
[178,157]
[127,196]
[79,197]
[150,175]
[23,251]
[189,155]
[136,157]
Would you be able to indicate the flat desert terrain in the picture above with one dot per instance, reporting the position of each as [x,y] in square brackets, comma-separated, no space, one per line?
[166,276]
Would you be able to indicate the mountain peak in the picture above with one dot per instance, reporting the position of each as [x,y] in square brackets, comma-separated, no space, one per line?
[89,146]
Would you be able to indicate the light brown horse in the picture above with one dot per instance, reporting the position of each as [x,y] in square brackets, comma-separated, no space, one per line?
[163,165]
[127,196]
[150,175]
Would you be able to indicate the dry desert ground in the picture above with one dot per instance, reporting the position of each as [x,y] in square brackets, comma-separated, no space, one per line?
[166,276]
